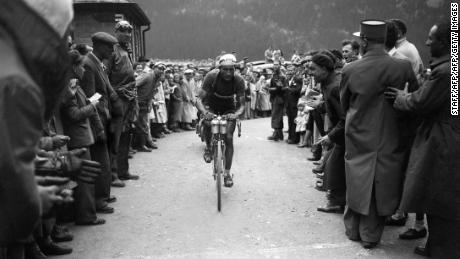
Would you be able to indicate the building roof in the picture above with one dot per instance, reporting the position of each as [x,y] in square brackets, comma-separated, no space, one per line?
[119,6]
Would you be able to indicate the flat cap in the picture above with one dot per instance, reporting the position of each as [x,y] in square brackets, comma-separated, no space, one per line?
[103,37]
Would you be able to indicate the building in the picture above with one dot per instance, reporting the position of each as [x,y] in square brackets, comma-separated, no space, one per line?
[101,15]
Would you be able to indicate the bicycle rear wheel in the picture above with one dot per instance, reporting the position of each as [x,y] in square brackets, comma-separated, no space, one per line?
[218,167]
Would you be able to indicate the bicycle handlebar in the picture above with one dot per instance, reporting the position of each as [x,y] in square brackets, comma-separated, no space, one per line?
[223,117]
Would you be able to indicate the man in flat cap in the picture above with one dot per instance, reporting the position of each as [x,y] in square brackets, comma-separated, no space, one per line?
[121,76]
[95,80]
[375,153]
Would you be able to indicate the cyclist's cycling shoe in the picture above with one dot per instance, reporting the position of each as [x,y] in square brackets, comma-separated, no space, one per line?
[228,181]
[207,156]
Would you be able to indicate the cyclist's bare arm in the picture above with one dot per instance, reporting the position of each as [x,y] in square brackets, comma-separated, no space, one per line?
[199,104]
[240,110]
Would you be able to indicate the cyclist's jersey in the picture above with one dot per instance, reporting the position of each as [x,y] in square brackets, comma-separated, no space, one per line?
[221,94]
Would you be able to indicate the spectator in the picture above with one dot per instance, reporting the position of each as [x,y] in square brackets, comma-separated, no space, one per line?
[32,78]
[432,182]
[375,157]
[121,75]
[76,112]
[350,50]
[407,48]
[277,89]
[323,70]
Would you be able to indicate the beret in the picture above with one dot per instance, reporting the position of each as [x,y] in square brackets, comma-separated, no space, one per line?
[104,37]
[323,60]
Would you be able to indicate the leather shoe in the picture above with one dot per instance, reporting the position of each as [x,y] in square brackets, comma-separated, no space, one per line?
[291,142]
[92,223]
[318,162]
[143,149]
[422,250]
[151,145]
[331,209]
[105,210]
[111,199]
[274,138]
[319,186]
[317,170]
[313,158]
[51,248]
[60,234]
[160,135]
[369,245]
[188,128]
[390,221]
[118,183]
[413,233]
[129,176]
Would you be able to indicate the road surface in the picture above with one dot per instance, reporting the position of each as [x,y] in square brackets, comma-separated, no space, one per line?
[269,213]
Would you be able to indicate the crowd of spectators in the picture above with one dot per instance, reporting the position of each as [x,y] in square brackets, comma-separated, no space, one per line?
[73,115]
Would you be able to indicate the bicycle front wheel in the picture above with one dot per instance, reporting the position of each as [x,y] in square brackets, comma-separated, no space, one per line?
[218,167]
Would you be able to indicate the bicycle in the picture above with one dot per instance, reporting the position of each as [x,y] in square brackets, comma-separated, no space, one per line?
[219,132]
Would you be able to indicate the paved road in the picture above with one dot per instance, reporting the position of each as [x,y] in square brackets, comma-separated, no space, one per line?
[269,213]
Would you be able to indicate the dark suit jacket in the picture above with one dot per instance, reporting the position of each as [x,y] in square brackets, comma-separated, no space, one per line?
[95,80]
[331,94]
[76,114]
[293,93]
[278,86]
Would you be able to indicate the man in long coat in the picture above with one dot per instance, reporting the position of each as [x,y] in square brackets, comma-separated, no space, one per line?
[121,75]
[278,89]
[95,80]
[374,150]
[432,184]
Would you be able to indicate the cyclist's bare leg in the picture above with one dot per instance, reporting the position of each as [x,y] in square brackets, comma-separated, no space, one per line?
[229,145]
[207,136]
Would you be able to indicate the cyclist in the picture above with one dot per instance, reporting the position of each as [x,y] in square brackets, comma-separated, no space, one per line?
[217,96]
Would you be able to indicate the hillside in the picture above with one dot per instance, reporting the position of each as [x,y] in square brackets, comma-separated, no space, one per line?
[202,28]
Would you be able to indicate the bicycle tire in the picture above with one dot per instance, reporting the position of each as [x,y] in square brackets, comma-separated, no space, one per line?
[219,171]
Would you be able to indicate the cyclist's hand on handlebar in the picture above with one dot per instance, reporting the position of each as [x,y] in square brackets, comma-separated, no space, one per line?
[209,116]
[231,116]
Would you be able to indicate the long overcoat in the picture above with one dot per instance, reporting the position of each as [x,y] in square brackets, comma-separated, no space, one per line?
[374,153]
[432,182]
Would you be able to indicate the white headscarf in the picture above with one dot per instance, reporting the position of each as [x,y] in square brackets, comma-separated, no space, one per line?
[58,13]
